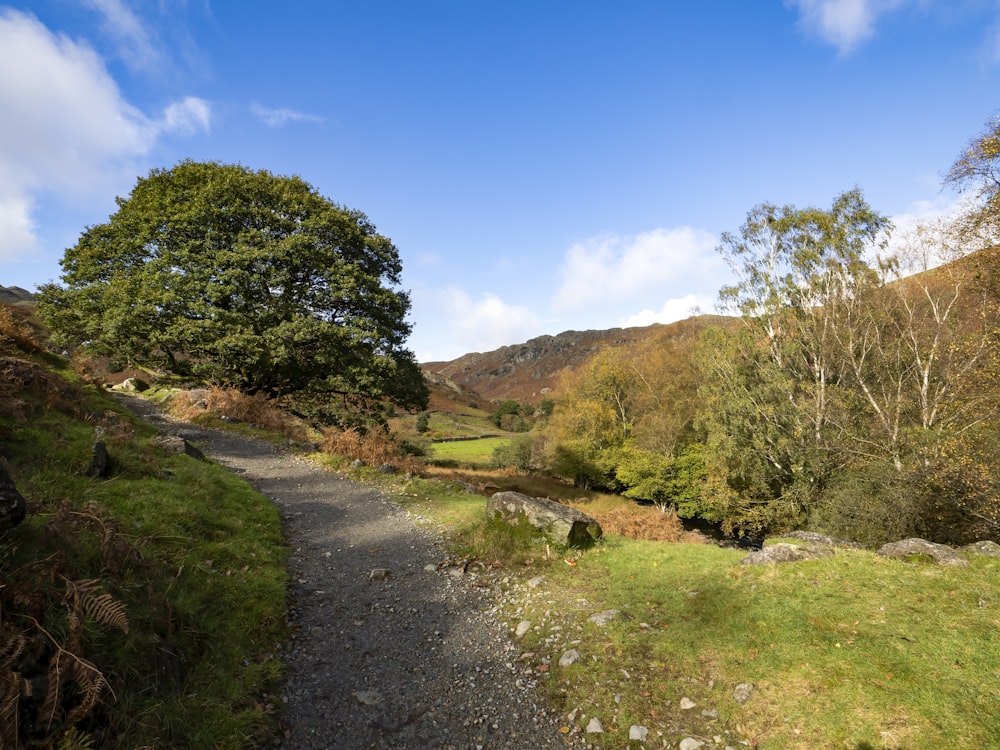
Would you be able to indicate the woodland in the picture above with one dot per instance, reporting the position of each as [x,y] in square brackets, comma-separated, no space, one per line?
[853,390]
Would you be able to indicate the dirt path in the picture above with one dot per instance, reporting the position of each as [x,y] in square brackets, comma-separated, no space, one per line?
[411,658]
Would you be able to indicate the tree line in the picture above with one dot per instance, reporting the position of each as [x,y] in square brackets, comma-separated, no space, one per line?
[853,389]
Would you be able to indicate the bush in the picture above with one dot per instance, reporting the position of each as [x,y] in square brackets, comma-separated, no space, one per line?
[373,448]
[515,454]
[870,504]
[635,522]
[230,403]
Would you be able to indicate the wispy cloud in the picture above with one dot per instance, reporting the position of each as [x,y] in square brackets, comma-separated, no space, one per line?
[130,36]
[846,24]
[672,310]
[486,323]
[68,129]
[614,269]
[278,118]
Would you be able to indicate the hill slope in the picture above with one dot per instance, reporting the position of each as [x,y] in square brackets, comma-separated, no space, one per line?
[528,372]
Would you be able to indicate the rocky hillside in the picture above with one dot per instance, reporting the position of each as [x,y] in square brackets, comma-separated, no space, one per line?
[15,295]
[530,371]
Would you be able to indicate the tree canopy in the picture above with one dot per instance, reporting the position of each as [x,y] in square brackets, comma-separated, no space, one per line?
[245,279]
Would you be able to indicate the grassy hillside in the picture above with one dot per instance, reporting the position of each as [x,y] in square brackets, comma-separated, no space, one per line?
[125,599]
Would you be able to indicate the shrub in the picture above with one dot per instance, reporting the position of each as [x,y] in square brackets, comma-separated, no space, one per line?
[514,454]
[256,409]
[636,522]
[373,448]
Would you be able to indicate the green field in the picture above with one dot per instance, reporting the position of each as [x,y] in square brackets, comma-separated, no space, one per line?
[466,452]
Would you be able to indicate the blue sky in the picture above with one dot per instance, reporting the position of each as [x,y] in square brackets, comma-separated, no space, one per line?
[541,165]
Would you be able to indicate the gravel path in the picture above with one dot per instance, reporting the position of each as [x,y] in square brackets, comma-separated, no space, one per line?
[393,647]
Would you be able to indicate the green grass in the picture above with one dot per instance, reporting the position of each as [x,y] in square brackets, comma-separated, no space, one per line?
[854,651]
[466,452]
[194,555]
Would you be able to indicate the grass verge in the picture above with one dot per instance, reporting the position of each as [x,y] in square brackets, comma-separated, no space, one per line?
[853,651]
[191,555]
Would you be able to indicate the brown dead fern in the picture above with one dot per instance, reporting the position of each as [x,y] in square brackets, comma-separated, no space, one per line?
[13,687]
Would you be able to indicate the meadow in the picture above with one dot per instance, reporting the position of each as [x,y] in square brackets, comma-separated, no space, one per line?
[852,651]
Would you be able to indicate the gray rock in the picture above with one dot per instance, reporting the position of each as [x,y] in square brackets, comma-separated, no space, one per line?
[522,627]
[784,552]
[687,704]
[603,619]
[690,743]
[380,574]
[367,697]
[132,385]
[569,658]
[594,726]
[177,444]
[535,582]
[100,461]
[560,523]
[941,554]
[357,464]
[814,538]
[637,733]
[742,692]
[987,548]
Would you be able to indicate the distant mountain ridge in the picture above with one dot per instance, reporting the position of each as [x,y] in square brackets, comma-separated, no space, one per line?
[530,371]
[15,295]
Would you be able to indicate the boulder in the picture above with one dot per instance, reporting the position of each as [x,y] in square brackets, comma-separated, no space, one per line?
[987,548]
[941,554]
[13,507]
[783,552]
[814,538]
[177,444]
[560,523]
[100,461]
[132,385]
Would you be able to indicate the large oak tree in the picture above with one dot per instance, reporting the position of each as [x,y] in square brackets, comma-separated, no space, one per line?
[246,279]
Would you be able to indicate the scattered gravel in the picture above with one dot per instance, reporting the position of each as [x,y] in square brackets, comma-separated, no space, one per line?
[393,647]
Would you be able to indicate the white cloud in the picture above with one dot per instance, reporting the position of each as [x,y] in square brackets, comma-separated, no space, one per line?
[67,132]
[846,24]
[487,323]
[672,310]
[612,269]
[278,118]
[17,231]
[186,117]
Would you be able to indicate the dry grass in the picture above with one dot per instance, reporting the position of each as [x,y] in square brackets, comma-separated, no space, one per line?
[232,404]
[636,522]
[16,334]
[372,448]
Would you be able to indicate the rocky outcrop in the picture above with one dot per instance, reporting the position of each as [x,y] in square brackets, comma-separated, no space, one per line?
[530,370]
[560,523]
